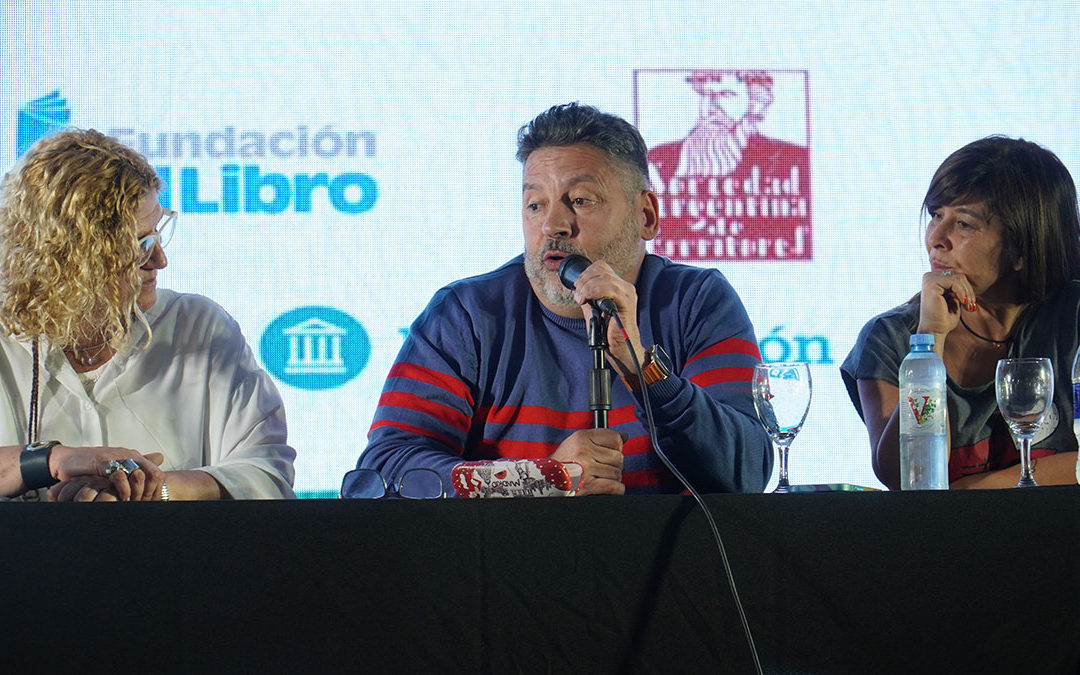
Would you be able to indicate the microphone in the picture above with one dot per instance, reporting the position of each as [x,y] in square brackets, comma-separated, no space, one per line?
[600,376]
[570,269]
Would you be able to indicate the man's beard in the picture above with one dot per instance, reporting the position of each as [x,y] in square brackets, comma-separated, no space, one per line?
[621,253]
[715,146]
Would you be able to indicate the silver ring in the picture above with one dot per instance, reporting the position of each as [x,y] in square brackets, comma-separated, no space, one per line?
[946,273]
[112,467]
[128,465]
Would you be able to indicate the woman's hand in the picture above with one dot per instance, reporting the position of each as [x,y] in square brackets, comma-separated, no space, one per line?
[944,296]
[74,467]
[83,489]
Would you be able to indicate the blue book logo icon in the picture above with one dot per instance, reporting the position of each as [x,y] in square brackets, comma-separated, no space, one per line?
[315,348]
[40,118]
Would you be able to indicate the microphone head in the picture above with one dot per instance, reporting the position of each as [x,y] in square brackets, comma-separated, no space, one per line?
[571,268]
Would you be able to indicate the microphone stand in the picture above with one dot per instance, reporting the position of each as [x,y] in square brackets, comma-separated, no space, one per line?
[600,375]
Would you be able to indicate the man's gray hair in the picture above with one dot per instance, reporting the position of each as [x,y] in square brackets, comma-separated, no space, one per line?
[574,123]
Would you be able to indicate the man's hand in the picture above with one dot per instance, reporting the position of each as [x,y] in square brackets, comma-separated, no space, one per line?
[600,281]
[599,453]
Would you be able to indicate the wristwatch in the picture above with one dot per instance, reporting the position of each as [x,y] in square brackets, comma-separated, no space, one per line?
[657,365]
[34,464]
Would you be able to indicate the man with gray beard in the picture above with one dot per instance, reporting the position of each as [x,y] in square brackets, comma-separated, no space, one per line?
[732,107]
[726,177]
[498,366]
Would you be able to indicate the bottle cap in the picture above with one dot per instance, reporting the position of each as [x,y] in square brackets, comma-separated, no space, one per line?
[921,339]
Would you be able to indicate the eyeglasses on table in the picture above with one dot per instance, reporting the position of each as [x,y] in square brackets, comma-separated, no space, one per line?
[416,483]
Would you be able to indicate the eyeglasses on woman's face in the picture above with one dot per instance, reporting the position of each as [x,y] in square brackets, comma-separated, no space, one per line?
[161,235]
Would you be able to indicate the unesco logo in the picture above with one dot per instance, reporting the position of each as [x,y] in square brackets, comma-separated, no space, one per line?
[40,118]
[315,348]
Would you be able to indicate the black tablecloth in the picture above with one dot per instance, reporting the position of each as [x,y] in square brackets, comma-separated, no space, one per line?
[831,582]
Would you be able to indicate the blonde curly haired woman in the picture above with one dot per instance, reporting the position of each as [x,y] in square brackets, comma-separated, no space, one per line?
[112,388]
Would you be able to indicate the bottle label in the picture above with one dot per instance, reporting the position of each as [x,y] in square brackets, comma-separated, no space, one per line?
[1076,418]
[924,408]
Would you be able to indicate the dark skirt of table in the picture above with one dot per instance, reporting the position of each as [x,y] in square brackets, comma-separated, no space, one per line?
[979,581]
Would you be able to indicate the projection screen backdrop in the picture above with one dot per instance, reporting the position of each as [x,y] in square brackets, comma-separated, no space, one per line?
[334,164]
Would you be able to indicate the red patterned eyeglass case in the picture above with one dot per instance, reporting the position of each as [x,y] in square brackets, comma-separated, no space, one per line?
[516,478]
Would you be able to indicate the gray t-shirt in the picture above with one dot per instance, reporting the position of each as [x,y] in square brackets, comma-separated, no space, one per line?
[980,438]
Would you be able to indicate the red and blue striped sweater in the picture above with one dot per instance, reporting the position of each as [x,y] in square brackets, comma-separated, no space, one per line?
[487,371]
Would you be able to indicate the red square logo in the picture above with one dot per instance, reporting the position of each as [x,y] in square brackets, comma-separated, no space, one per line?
[729,158]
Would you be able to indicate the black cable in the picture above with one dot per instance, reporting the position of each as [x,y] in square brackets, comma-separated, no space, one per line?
[33,421]
[651,427]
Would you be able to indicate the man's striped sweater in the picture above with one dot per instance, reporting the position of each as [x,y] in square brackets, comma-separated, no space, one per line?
[487,371]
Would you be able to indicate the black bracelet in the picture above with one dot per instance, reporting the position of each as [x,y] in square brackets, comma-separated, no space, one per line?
[34,465]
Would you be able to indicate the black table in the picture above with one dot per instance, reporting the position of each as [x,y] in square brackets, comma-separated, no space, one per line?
[984,581]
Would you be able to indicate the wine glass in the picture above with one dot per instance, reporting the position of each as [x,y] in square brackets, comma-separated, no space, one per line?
[1025,390]
[782,399]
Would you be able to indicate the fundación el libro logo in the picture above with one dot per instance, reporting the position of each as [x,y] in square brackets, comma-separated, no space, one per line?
[224,170]
[40,118]
[315,348]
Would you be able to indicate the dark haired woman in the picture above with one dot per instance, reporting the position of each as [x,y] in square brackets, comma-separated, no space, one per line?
[1003,242]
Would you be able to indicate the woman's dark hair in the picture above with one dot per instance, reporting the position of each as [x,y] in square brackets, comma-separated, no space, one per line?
[1031,192]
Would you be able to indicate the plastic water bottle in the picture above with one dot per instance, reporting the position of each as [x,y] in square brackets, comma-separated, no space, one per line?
[924,444]
[1076,404]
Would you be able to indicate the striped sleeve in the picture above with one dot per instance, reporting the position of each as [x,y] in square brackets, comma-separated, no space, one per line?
[728,363]
[426,407]
[705,416]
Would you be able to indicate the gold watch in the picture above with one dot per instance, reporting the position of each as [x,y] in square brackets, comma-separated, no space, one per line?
[657,365]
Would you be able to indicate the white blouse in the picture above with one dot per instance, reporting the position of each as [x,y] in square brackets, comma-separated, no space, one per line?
[196,395]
